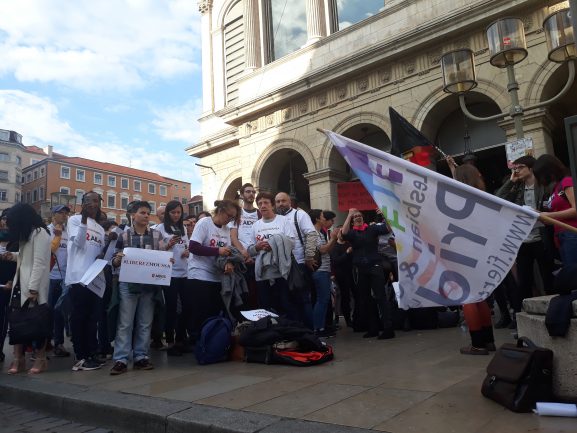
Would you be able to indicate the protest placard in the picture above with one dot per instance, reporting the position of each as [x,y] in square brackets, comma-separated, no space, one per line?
[146,266]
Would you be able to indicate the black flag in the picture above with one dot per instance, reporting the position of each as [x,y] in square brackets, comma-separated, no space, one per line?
[404,135]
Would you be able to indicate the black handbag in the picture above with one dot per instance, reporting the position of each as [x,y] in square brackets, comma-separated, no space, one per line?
[297,278]
[30,322]
[519,375]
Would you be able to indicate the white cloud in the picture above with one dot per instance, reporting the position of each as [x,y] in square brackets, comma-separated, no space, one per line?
[91,45]
[17,108]
[179,122]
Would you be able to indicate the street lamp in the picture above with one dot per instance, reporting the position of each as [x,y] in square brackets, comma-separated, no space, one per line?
[507,47]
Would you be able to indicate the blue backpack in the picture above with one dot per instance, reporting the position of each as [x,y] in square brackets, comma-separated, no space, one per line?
[215,341]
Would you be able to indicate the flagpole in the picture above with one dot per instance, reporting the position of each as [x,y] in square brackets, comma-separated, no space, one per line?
[557,223]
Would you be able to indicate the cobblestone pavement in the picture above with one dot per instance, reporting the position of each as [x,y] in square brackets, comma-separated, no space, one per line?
[14,419]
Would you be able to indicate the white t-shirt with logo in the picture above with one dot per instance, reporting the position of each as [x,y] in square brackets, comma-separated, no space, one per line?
[305,226]
[262,230]
[247,220]
[58,272]
[208,234]
[180,265]
[80,259]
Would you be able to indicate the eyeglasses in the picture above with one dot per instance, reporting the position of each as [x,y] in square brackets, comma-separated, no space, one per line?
[249,191]
[357,215]
[230,217]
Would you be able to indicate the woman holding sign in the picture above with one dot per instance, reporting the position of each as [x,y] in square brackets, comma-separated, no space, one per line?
[210,239]
[176,240]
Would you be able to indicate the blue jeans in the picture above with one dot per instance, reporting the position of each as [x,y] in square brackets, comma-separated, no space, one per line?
[54,293]
[322,281]
[568,248]
[135,314]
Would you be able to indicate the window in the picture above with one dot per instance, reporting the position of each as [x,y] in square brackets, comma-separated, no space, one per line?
[152,188]
[123,202]
[289,34]
[34,161]
[350,13]
[97,178]
[28,197]
[176,198]
[184,200]
[3,176]
[137,197]
[162,204]
[162,190]
[42,171]
[17,197]
[3,195]
[64,190]
[41,194]
[4,157]
[65,172]
[18,160]
[79,194]
[137,185]
[34,195]
[234,51]
[112,181]
[123,183]
[153,207]
[35,173]
[111,200]
[28,177]
[80,175]
[98,191]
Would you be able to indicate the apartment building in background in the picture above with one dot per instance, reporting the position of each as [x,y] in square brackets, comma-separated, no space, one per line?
[11,163]
[61,179]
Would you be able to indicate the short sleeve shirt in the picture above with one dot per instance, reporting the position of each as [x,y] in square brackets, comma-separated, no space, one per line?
[247,220]
[180,266]
[207,234]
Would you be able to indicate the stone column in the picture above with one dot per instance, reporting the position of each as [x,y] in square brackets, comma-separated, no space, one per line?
[316,22]
[252,47]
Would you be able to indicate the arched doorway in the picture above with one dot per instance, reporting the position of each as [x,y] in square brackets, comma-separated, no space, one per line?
[457,135]
[284,171]
[231,192]
[563,108]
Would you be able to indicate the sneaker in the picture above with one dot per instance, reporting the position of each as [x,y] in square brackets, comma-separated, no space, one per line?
[86,365]
[61,352]
[386,334]
[118,368]
[99,359]
[143,364]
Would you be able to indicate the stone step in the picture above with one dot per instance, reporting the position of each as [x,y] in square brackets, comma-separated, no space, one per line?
[540,304]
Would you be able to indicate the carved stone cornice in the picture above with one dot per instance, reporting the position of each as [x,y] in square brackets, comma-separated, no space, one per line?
[204,6]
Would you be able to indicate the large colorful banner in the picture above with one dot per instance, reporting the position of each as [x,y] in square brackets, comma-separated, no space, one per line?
[455,243]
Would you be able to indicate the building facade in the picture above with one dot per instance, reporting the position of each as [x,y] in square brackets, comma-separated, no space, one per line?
[273,74]
[11,164]
[61,179]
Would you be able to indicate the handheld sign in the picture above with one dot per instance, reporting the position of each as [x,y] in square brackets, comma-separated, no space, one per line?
[146,267]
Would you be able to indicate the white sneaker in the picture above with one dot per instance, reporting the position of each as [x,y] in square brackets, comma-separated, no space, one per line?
[78,365]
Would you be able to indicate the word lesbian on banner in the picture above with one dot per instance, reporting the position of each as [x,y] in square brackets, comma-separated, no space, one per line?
[146,266]
[455,243]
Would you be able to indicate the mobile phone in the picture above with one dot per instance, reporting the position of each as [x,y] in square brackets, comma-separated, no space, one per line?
[177,233]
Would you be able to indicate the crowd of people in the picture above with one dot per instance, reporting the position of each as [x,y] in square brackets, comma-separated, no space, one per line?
[240,258]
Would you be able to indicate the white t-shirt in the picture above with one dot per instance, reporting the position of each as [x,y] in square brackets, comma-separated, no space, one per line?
[58,272]
[247,219]
[306,226]
[208,234]
[80,258]
[262,230]
[180,265]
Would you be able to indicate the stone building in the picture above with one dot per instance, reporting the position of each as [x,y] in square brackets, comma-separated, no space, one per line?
[11,154]
[275,71]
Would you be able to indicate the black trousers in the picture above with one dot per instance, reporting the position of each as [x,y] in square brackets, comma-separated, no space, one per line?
[172,323]
[528,254]
[86,309]
[374,303]
[200,302]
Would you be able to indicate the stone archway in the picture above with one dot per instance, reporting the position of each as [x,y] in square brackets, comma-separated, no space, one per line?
[284,170]
[231,191]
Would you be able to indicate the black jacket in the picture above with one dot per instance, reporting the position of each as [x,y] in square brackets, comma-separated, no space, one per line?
[365,244]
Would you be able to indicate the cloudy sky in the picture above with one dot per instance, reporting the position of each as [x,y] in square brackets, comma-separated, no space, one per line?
[111,80]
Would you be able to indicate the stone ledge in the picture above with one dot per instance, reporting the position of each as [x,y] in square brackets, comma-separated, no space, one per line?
[122,412]
[540,304]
